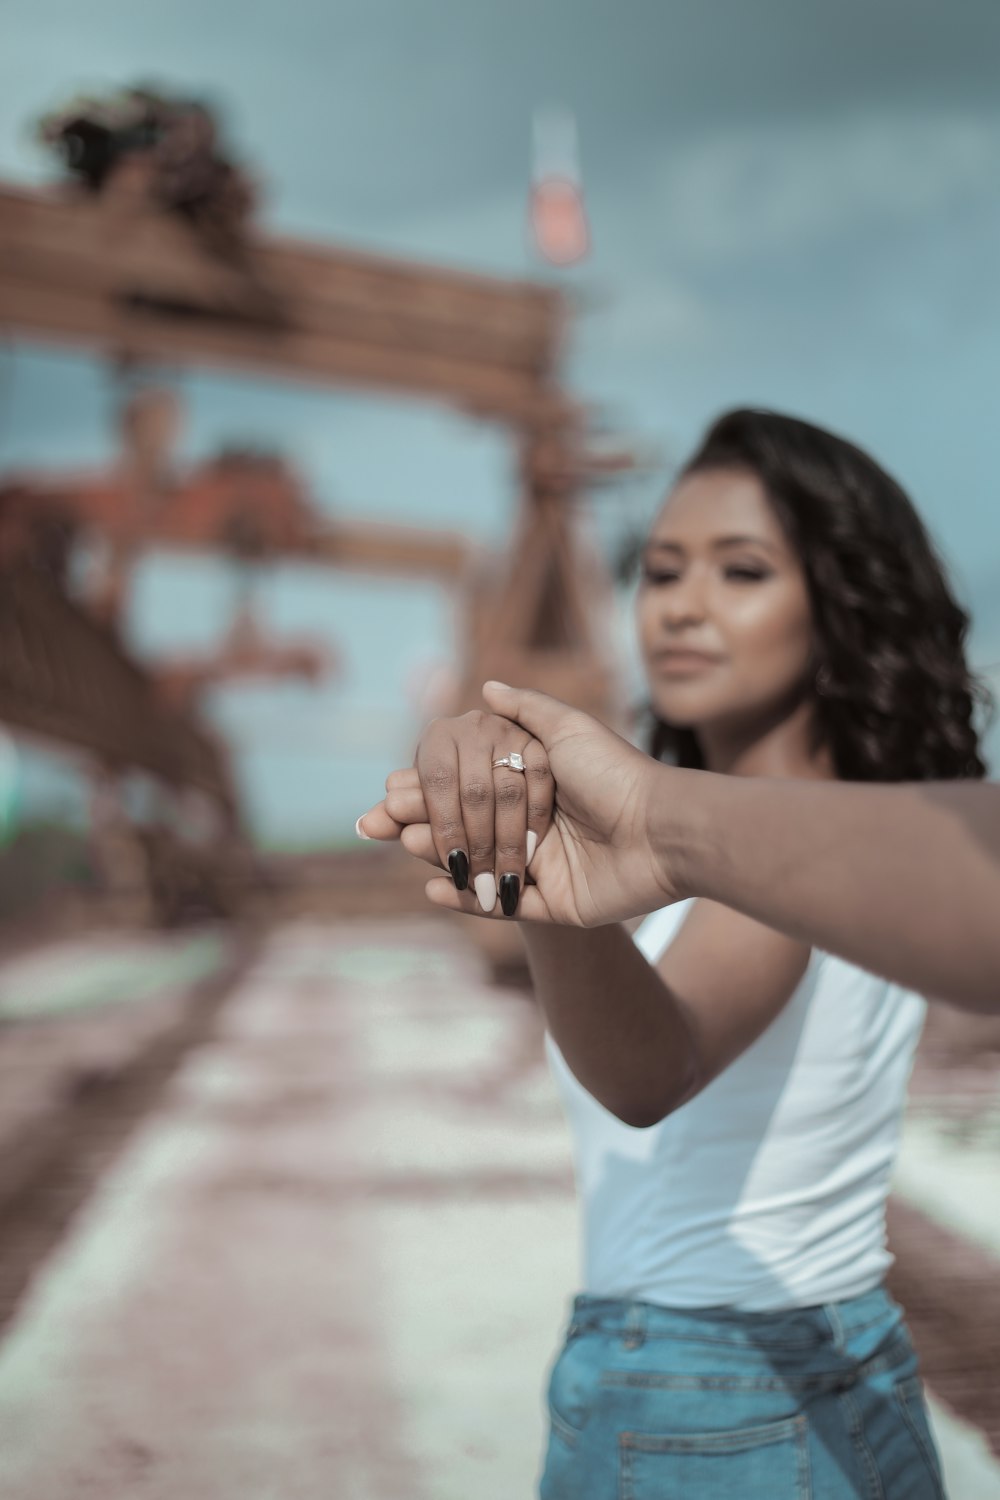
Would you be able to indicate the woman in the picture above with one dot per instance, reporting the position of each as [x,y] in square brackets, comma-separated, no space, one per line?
[734,1097]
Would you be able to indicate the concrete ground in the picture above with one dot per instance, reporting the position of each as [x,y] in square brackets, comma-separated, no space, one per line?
[334,1258]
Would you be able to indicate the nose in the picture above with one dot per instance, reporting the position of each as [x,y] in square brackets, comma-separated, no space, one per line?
[685,602]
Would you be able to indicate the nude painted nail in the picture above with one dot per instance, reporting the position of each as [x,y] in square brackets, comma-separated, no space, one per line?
[532,845]
[486,891]
[360,831]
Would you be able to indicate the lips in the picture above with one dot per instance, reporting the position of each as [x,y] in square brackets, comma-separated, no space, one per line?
[684,663]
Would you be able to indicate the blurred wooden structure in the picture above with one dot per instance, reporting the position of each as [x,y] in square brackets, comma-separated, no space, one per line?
[110,273]
[63,676]
[115,274]
[250,508]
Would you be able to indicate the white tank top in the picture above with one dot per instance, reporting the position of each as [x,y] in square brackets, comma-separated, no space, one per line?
[768,1189]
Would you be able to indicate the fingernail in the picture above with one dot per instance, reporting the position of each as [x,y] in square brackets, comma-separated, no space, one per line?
[458,864]
[532,845]
[486,891]
[510,890]
[493,683]
[360,831]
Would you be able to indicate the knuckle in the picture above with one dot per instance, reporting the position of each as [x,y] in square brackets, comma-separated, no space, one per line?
[439,776]
[510,794]
[538,811]
[477,793]
[481,851]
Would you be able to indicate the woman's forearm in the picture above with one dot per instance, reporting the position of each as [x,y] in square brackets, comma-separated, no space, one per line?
[904,881]
[621,1031]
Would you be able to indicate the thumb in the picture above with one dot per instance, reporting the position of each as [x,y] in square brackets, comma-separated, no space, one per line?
[544,717]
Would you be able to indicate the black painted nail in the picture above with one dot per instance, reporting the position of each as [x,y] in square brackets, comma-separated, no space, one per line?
[458,864]
[510,890]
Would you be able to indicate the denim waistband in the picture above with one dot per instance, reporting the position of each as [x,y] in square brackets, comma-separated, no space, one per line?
[830,1323]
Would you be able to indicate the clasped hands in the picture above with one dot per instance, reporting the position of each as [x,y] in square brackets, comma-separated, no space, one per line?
[568,840]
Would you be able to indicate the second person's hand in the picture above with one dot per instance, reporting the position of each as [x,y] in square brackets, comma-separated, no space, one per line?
[596,863]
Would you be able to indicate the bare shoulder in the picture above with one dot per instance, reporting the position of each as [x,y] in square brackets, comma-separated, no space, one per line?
[733,976]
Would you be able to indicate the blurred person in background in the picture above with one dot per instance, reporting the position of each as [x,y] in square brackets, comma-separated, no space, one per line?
[734,1096]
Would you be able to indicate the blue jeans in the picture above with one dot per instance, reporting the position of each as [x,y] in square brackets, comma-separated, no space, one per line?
[818,1403]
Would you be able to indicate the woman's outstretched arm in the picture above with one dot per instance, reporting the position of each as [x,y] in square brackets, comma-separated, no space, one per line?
[904,881]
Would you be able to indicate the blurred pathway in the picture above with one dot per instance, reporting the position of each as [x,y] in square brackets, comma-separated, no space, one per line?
[334,1259]
[332,1263]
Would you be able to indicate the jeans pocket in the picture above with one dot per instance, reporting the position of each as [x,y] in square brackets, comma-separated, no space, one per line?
[909,1396]
[571,1389]
[742,1464]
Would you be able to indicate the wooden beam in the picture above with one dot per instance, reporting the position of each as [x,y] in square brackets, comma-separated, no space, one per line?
[397,550]
[197,517]
[126,281]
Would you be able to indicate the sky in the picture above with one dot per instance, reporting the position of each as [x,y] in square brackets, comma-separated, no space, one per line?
[792,205]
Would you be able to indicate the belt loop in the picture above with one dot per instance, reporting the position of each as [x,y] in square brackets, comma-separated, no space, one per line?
[634,1332]
[837,1327]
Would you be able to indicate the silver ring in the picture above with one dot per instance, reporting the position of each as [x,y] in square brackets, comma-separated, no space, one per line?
[514,761]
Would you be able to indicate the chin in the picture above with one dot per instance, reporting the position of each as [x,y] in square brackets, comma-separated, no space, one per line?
[687,710]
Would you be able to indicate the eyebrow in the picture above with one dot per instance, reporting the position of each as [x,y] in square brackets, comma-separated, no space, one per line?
[656,545]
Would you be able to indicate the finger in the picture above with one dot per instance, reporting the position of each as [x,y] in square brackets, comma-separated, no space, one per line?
[399,780]
[544,717]
[510,793]
[377,824]
[442,893]
[406,805]
[478,813]
[438,768]
[417,839]
[541,795]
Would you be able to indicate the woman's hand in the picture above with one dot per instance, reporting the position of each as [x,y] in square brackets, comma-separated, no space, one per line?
[467,812]
[593,865]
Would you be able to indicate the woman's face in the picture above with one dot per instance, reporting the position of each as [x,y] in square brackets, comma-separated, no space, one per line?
[723,611]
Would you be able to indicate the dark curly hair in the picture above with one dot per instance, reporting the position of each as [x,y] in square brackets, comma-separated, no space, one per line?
[895,700]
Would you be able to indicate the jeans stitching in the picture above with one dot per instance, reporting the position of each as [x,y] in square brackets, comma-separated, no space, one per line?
[637,1380]
[569,1435]
[902,1394]
[861,1446]
[615,1326]
[808,1384]
[805,1468]
[717,1444]
[730,1440]
[617,1331]
[620,1329]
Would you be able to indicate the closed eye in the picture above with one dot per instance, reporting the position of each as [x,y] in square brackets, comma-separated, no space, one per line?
[746,574]
[658,576]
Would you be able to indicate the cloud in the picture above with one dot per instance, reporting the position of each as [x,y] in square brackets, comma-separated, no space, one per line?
[777,186]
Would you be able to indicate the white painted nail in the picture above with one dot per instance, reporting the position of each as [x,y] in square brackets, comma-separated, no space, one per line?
[486,891]
[360,831]
[532,845]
